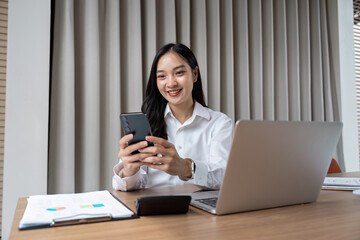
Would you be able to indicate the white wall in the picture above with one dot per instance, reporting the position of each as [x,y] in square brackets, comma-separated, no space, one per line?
[27,97]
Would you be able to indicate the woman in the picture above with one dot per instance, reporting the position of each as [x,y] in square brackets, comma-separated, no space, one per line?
[192,142]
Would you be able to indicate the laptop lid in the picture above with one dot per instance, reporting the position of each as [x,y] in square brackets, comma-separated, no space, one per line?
[276,163]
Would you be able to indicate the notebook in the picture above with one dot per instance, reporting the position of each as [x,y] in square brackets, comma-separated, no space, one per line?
[273,164]
[76,208]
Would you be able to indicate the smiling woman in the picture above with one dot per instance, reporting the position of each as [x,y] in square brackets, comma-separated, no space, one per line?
[170,62]
[192,142]
[175,80]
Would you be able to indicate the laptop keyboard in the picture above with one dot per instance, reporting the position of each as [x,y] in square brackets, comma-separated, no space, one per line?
[208,201]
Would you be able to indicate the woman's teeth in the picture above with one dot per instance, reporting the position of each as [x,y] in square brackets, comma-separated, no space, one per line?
[174,92]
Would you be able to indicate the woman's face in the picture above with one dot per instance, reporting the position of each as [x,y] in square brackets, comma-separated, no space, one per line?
[175,79]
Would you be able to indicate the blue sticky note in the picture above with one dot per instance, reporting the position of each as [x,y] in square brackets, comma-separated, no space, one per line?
[98,205]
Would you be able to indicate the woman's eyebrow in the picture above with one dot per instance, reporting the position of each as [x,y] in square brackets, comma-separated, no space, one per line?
[180,66]
[177,67]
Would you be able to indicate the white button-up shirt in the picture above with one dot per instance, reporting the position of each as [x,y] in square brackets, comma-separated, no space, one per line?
[205,138]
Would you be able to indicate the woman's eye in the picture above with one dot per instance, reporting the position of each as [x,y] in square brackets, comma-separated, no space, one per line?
[179,73]
[161,76]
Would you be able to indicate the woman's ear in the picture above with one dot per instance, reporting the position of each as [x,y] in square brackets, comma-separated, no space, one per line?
[195,73]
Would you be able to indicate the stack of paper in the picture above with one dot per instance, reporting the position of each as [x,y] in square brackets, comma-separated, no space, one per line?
[341,183]
[62,209]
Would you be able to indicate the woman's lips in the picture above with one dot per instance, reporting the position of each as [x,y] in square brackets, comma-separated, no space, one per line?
[174,93]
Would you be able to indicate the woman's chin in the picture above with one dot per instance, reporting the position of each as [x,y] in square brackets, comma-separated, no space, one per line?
[174,99]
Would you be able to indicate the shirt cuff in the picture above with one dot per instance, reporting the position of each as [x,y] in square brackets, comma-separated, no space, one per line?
[126,183]
[201,172]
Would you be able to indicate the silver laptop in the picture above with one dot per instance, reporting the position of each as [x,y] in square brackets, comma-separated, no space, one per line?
[273,164]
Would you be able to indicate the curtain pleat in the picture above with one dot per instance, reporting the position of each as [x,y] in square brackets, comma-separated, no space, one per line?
[183,24]
[328,105]
[87,96]
[259,59]
[61,170]
[305,61]
[109,87]
[198,38]
[227,96]
[255,60]
[316,63]
[280,62]
[292,39]
[213,78]
[148,30]
[131,56]
[241,60]
[268,60]
[165,21]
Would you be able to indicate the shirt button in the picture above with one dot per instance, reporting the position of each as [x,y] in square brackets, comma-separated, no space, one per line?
[179,147]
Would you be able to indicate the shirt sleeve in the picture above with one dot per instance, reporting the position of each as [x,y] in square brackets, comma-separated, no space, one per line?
[136,181]
[210,174]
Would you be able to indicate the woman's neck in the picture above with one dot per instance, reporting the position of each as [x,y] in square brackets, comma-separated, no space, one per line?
[182,112]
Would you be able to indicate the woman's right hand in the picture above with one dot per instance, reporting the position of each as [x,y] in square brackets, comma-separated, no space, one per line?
[132,163]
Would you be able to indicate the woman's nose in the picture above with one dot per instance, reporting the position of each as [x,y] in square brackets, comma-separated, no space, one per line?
[171,81]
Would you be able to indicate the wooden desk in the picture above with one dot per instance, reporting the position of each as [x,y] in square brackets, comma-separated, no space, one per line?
[336,215]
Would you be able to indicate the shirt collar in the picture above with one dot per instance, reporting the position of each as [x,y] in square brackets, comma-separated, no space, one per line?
[199,110]
[167,111]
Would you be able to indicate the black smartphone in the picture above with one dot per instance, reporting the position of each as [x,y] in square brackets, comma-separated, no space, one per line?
[168,204]
[137,124]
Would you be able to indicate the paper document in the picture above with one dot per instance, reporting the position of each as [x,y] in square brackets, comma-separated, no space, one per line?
[47,210]
[344,183]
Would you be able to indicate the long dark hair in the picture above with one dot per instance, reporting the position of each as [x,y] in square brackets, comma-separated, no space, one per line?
[154,103]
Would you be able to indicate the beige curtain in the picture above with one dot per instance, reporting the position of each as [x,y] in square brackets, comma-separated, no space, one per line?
[260,59]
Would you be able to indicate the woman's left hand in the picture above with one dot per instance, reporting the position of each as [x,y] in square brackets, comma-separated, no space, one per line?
[170,161]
